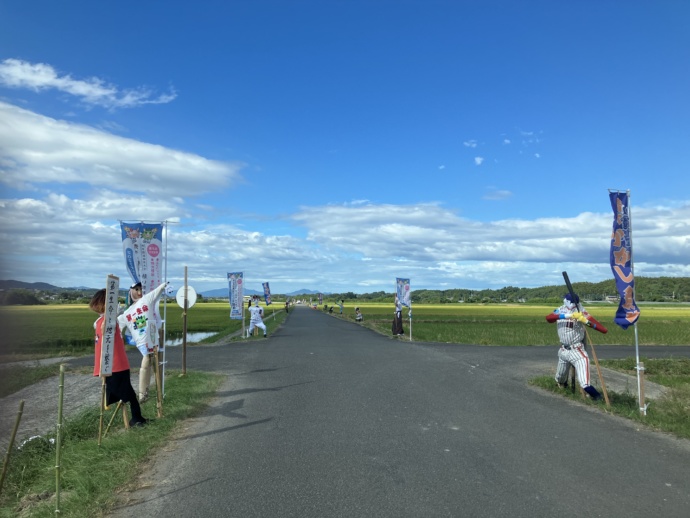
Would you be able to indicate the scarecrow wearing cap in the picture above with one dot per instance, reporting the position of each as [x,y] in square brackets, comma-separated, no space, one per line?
[571,319]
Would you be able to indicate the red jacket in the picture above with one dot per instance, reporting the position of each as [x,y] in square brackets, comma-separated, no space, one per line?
[120,361]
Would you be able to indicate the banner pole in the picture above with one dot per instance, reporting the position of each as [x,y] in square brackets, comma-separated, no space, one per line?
[165,306]
[184,326]
[639,368]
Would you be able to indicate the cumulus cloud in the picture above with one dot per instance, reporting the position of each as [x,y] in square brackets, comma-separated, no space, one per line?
[15,73]
[430,233]
[470,143]
[35,149]
[357,246]
[478,160]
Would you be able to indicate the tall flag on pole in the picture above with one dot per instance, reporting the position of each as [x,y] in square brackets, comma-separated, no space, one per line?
[621,260]
[267,293]
[236,295]
[403,291]
[143,247]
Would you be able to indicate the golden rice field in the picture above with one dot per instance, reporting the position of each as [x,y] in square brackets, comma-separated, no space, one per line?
[68,329]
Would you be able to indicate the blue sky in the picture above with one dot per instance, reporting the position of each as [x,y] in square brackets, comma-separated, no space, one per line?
[336,145]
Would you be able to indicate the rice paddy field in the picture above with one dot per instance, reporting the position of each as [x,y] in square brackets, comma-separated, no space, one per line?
[43,331]
[506,324]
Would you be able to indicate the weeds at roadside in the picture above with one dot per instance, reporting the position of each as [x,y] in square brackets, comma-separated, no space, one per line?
[91,474]
[16,378]
[670,413]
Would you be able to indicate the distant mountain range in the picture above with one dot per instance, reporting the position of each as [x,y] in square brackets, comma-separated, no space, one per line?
[14,285]
[218,293]
[223,293]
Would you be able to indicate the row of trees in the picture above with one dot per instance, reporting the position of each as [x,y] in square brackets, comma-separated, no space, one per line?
[648,289]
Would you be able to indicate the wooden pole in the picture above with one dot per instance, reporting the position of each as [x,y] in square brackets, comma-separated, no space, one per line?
[58,438]
[6,463]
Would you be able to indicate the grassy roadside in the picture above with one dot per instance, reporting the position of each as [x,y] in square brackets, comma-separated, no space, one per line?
[16,378]
[668,414]
[91,474]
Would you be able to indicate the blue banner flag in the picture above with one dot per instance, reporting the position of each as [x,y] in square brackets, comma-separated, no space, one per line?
[621,260]
[267,293]
[236,295]
[402,291]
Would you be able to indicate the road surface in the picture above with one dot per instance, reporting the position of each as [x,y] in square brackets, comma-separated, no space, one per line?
[326,418]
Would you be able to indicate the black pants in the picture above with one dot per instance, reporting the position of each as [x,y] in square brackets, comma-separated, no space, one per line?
[397,327]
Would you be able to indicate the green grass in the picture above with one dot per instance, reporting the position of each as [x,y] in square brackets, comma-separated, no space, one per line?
[670,413]
[506,324]
[33,332]
[90,475]
[16,378]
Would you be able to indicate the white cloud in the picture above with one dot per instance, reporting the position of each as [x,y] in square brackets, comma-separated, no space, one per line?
[15,73]
[478,160]
[35,149]
[80,181]
[349,247]
[470,143]
[497,194]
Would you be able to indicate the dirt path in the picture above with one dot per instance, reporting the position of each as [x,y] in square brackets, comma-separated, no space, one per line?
[41,405]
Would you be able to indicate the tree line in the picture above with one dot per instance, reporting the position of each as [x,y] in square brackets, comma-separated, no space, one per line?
[647,289]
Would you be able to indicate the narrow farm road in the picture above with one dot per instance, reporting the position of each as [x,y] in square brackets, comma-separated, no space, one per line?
[328,419]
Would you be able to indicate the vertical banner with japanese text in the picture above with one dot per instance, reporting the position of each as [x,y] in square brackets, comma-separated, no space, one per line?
[236,295]
[402,290]
[143,247]
[621,260]
[320,298]
[267,293]
[112,291]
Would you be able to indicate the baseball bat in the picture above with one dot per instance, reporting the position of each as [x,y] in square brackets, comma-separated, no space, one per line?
[589,340]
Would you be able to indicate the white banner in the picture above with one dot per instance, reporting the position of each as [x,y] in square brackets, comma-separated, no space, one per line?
[112,290]
[236,295]
[143,247]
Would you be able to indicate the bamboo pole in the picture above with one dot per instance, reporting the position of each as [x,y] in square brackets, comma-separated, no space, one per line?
[58,438]
[6,463]
[119,404]
[601,377]
[159,386]
[100,420]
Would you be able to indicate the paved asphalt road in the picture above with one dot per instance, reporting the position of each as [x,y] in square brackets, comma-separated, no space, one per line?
[328,419]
